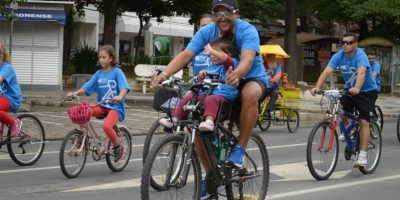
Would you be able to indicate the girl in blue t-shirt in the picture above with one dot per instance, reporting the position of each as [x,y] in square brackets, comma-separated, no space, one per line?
[10,93]
[109,83]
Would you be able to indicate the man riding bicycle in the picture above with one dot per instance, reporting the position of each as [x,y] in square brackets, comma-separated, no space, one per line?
[359,81]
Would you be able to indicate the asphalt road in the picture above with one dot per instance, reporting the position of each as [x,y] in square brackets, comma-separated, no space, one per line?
[290,178]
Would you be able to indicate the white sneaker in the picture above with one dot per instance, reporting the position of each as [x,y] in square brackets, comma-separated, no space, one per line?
[360,162]
[342,138]
[166,122]
[208,125]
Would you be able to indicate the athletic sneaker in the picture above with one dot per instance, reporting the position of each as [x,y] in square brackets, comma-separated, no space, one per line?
[342,138]
[207,125]
[236,157]
[166,122]
[361,161]
[16,127]
[118,152]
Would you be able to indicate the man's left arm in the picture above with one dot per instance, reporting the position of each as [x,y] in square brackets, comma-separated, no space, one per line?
[247,58]
[359,81]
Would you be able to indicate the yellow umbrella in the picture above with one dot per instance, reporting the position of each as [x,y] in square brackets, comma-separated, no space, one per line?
[273,49]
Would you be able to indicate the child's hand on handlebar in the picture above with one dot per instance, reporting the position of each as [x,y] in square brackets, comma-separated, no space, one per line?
[201,75]
[314,91]
[116,99]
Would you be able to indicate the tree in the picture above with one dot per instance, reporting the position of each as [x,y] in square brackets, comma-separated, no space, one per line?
[4,4]
[291,40]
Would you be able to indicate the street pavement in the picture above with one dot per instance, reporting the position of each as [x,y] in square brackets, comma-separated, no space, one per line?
[51,109]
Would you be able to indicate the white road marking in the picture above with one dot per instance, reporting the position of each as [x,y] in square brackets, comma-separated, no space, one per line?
[331,187]
[54,123]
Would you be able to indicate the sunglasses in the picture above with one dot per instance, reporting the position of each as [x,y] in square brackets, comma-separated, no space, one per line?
[350,42]
[221,14]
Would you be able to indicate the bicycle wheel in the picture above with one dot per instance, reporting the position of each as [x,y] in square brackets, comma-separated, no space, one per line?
[252,181]
[156,132]
[125,139]
[266,121]
[27,147]
[293,120]
[398,128]
[164,166]
[72,154]
[322,160]
[379,116]
[374,149]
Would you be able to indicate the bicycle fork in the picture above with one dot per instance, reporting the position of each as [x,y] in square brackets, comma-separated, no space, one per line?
[332,127]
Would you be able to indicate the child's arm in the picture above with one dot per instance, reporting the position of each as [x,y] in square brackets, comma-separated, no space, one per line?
[201,75]
[76,93]
[120,96]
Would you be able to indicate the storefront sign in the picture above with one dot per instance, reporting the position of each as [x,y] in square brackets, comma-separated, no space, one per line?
[39,15]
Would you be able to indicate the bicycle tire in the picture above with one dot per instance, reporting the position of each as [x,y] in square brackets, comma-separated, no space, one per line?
[171,184]
[398,128]
[321,174]
[379,116]
[293,120]
[71,142]
[374,149]
[256,143]
[125,139]
[265,122]
[31,137]
[155,133]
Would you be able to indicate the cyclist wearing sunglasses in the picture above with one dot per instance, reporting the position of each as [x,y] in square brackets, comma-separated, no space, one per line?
[359,81]
[249,75]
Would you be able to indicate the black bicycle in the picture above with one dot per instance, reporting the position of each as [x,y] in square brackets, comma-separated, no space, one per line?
[172,167]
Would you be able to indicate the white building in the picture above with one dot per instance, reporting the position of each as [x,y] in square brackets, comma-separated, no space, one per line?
[89,30]
[37,42]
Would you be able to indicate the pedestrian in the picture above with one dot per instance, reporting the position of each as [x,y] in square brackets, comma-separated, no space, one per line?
[376,68]
[359,81]
[109,82]
[10,93]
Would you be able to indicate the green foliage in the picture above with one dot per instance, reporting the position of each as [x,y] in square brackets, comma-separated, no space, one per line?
[161,60]
[85,59]
[263,11]
[5,4]
[144,59]
[126,60]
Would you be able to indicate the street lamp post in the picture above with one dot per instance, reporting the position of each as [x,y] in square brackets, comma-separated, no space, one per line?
[13,6]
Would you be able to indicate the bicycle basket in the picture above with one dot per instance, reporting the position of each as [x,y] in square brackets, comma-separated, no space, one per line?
[81,113]
[170,105]
[161,96]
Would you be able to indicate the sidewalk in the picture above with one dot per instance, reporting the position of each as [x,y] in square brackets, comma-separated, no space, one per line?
[390,105]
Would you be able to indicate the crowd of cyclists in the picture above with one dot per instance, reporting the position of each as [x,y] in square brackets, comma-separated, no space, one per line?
[227,47]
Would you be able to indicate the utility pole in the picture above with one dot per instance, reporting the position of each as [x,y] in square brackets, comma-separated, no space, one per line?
[13,7]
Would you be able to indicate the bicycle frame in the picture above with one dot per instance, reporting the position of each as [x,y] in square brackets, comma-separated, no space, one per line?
[8,137]
[89,132]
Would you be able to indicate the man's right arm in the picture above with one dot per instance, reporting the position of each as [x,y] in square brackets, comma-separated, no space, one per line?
[328,70]
[182,59]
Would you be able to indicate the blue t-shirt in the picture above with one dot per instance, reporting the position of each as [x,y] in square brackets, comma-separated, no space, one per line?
[108,84]
[271,72]
[10,87]
[349,66]
[200,62]
[228,91]
[246,38]
[376,68]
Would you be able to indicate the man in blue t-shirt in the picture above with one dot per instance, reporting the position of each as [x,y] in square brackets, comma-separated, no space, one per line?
[375,67]
[359,81]
[249,75]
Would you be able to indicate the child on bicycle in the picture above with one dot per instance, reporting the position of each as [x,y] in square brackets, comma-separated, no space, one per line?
[109,82]
[274,71]
[221,52]
[10,93]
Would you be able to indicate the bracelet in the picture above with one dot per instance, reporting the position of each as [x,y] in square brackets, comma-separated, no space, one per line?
[166,75]
[75,94]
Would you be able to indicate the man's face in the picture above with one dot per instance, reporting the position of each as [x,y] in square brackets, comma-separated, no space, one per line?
[371,58]
[349,44]
[224,18]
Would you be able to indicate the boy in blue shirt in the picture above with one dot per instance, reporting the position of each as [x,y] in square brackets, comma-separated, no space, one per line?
[359,81]
[376,69]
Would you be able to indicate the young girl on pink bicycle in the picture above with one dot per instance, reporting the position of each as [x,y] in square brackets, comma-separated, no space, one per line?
[109,82]
[10,93]
[221,52]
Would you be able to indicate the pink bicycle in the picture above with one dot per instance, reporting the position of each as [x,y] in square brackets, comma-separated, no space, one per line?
[78,142]
[27,146]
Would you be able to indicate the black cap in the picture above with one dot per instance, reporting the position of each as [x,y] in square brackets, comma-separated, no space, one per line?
[229,4]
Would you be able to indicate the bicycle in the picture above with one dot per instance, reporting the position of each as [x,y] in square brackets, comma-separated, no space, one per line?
[27,146]
[78,142]
[172,165]
[323,146]
[174,90]
[288,116]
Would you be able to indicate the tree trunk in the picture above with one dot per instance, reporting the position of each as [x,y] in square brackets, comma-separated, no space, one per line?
[141,20]
[291,41]
[110,22]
